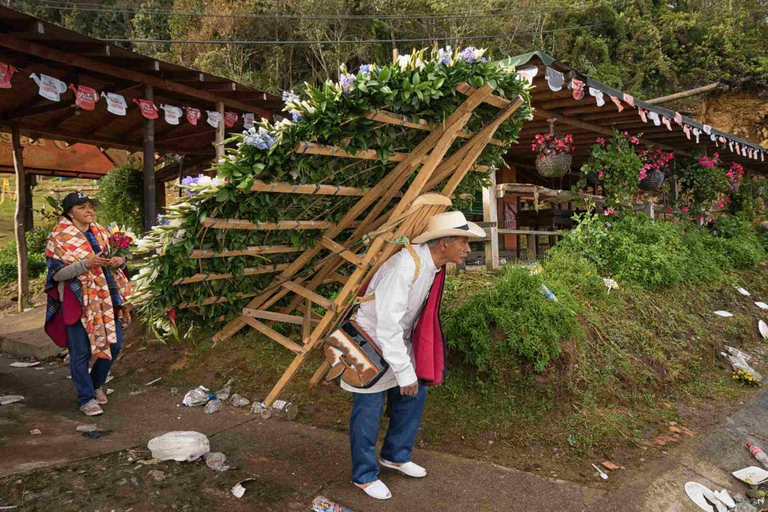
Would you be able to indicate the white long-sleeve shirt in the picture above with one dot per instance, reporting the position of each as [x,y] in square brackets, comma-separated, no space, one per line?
[390,318]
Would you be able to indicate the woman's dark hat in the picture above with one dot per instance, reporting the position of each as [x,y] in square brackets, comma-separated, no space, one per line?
[75,198]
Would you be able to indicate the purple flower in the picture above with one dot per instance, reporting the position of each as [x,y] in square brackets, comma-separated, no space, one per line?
[468,54]
[289,96]
[367,69]
[444,55]
[161,220]
[346,80]
[296,115]
[188,182]
[260,139]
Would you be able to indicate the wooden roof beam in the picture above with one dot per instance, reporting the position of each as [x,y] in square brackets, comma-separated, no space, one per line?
[117,72]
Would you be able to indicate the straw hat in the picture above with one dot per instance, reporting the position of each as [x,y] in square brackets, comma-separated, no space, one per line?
[449,224]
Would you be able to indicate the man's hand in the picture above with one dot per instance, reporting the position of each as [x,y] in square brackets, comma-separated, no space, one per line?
[96,260]
[116,262]
[411,390]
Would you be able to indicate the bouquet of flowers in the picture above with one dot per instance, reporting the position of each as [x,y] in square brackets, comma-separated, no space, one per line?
[119,241]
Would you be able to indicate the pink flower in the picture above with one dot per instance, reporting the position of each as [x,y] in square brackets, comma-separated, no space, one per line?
[669,210]
[600,174]
[700,217]
[684,208]
[609,211]
[720,204]
[600,141]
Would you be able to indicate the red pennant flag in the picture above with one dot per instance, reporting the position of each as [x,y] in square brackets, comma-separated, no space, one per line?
[85,97]
[679,118]
[6,73]
[230,118]
[617,102]
[577,86]
[193,114]
[148,108]
[665,120]
[643,114]
[687,130]
[629,100]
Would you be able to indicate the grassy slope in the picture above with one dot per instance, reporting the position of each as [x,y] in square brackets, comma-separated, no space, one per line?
[644,359]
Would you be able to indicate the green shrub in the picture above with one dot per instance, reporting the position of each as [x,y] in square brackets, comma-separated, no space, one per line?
[121,193]
[35,263]
[509,323]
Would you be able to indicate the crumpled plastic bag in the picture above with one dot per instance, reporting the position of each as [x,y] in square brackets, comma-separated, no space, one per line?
[739,361]
[182,446]
[197,396]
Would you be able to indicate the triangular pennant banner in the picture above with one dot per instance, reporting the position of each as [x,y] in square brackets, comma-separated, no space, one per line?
[617,102]
[696,133]
[598,95]
[643,114]
[687,130]
[148,108]
[555,79]
[679,118]
[707,129]
[654,116]
[6,73]
[230,118]
[577,87]
[666,121]
[528,73]
[85,97]
[193,114]
[629,100]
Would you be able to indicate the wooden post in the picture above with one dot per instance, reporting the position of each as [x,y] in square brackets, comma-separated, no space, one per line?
[491,214]
[150,204]
[649,211]
[29,215]
[531,247]
[220,133]
[21,206]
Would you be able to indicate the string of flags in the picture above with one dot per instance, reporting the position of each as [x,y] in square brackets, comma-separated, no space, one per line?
[51,88]
[556,80]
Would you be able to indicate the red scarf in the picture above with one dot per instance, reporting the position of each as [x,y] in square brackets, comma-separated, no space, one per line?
[428,341]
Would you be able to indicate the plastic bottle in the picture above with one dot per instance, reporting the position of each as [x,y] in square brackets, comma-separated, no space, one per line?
[758,454]
[212,406]
[284,409]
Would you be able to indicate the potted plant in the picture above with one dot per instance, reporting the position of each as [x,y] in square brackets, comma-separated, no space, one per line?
[615,164]
[703,185]
[553,154]
[652,174]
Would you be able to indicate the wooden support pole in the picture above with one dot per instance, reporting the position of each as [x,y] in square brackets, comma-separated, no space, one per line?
[211,222]
[21,242]
[490,214]
[276,336]
[267,269]
[323,190]
[150,205]
[531,247]
[687,94]
[29,214]
[219,138]
[250,251]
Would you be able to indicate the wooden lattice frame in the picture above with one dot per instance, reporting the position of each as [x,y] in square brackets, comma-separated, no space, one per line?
[408,218]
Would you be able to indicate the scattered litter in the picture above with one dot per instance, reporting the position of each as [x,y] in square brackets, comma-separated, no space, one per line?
[610,465]
[19,364]
[180,446]
[284,409]
[153,381]
[149,462]
[238,490]
[745,507]
[216,460]
[174,391]
[157,475]
[742,291]
[610,284]
[97,434]
[725,498]
[758,454]
[239,401]
[761,305]
[724,314]
[197,396]
[738,360]
[109,391]
[699,494]
[323,504]
[258,407]
[109,378]
[39,368]
[86,428]
[763,328]
[10,399]
[224,392]
[212,406]
[9,507]
[135,392]
[751,475]
[35,432]
[547,293]
[600,472]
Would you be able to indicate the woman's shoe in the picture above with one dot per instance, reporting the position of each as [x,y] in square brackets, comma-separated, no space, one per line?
[376,490]
[101,397]
[406,468]
[92,408]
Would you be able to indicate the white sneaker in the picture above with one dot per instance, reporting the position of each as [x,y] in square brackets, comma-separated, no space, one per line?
[91,408]
[406,468]
[376,490]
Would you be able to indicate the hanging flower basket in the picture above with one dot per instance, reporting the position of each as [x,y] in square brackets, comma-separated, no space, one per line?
[652,181]
[555,165]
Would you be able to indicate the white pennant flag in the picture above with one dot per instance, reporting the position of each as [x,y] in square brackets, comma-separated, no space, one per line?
[598,95]
[214,118]
[172,114]
[248,120]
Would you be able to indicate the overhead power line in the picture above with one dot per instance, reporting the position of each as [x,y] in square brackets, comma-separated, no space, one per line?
[481,13]
[350,41]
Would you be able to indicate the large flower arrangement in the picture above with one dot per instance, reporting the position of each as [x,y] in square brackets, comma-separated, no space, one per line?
[703,185]
[421,85]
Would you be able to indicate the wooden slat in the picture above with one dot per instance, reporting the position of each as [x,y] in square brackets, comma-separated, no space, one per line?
[310,148]
[250,251]
[265,226]
[341,251]
[267,269]
[310,295]
[277,317]
[274,335]
[529,232]
[382,116]
[214,300]
[309,189]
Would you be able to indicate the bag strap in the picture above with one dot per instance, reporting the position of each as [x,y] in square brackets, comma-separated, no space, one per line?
[416,261]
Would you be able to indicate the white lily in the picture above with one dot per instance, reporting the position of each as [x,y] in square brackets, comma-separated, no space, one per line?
[403,61]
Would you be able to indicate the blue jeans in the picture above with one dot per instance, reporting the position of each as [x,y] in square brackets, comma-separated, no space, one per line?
[79,345]
[404,421]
